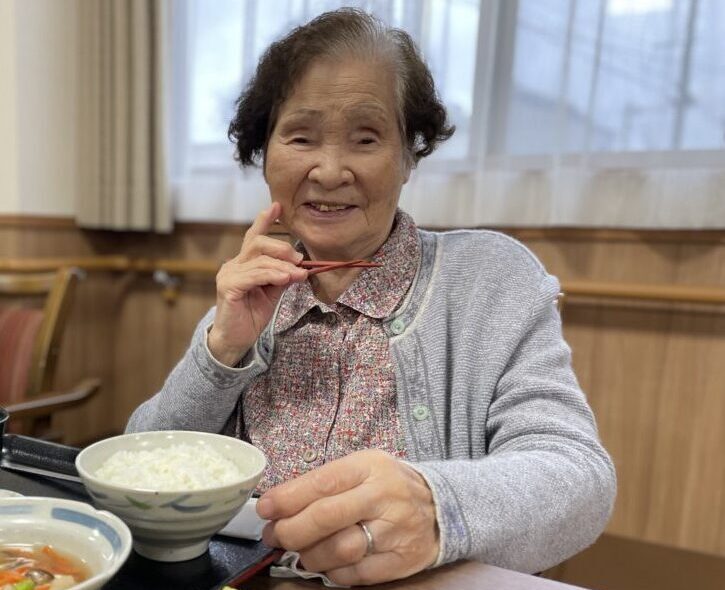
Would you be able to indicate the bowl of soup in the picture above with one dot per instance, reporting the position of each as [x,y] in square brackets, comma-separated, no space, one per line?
[174,489]
[54,544]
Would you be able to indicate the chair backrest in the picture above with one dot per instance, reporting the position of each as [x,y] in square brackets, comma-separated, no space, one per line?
[33,312]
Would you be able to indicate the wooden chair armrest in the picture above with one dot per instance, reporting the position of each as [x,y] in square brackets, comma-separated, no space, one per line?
[51,402]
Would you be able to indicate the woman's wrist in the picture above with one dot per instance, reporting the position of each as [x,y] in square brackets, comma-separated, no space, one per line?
[431,503]
[223,353]
[423,494]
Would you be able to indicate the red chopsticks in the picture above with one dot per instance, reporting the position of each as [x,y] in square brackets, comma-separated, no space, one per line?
[319,266]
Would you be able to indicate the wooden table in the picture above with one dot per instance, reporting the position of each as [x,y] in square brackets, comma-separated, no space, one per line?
[468,575]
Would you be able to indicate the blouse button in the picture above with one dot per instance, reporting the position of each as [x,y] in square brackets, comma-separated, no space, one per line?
[421,412]
[309,455]
[397,326]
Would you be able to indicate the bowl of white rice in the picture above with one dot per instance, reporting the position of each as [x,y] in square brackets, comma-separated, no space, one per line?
[174,489]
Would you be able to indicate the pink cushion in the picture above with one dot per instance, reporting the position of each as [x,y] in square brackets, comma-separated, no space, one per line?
[18,330]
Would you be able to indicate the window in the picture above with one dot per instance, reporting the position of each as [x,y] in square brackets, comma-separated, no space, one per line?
[227,37]
[632,76]
[530,85]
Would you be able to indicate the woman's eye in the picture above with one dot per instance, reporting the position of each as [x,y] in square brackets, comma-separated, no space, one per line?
[300,140]
[366,140]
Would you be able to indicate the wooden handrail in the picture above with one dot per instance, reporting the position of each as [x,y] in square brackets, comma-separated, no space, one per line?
[112,263]
[645,292]
[179,267]
[573,288]
[109,263]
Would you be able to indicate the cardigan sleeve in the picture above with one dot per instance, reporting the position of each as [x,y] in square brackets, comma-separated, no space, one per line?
[200,393]
[545,487]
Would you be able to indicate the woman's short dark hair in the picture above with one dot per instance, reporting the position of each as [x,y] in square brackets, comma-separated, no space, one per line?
[421,115]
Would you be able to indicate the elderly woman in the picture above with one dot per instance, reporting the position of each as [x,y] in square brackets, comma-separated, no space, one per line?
[415,413]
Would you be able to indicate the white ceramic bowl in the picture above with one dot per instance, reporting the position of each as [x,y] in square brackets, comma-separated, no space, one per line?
[172,525]
[97,538]
[9,494]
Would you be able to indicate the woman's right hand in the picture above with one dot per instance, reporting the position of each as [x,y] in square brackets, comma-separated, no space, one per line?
[249,286]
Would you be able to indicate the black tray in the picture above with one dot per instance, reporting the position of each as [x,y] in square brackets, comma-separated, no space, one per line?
[229,561]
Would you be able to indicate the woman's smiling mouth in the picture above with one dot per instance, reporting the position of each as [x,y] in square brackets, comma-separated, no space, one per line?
[327,208]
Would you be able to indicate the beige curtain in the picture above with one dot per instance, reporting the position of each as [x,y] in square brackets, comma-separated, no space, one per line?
[123,76]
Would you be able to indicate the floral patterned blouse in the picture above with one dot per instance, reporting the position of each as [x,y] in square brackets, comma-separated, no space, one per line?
[330,389]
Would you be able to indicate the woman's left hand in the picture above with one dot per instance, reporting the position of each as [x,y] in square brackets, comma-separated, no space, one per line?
[317,514]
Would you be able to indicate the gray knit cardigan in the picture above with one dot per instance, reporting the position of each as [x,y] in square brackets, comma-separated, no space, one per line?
[493,416]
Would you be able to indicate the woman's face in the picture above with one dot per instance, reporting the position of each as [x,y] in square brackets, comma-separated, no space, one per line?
[335,160]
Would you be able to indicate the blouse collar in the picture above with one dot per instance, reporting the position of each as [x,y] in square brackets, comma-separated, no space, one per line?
[375,292]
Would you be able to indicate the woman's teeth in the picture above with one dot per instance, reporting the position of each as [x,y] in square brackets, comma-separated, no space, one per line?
[323,207]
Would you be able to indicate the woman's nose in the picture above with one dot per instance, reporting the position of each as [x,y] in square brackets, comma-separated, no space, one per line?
[330,170]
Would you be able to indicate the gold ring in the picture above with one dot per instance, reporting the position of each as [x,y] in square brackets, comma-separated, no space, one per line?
[368,538]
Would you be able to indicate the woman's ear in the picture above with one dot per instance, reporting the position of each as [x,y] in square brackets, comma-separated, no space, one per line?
[407,168]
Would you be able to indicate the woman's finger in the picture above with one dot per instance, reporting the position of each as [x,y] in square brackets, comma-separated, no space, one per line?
[373,569]
[264,261]
[330,479]
[345,547]
[268,246]
[326,516]
[238,277]
[234,288]
[264,220]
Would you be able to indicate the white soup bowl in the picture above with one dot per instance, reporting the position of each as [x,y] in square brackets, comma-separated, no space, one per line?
[101,541]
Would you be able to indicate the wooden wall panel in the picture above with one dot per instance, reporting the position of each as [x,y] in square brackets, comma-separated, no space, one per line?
[151,337]
[653,374]
[86,352]
[655,378]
